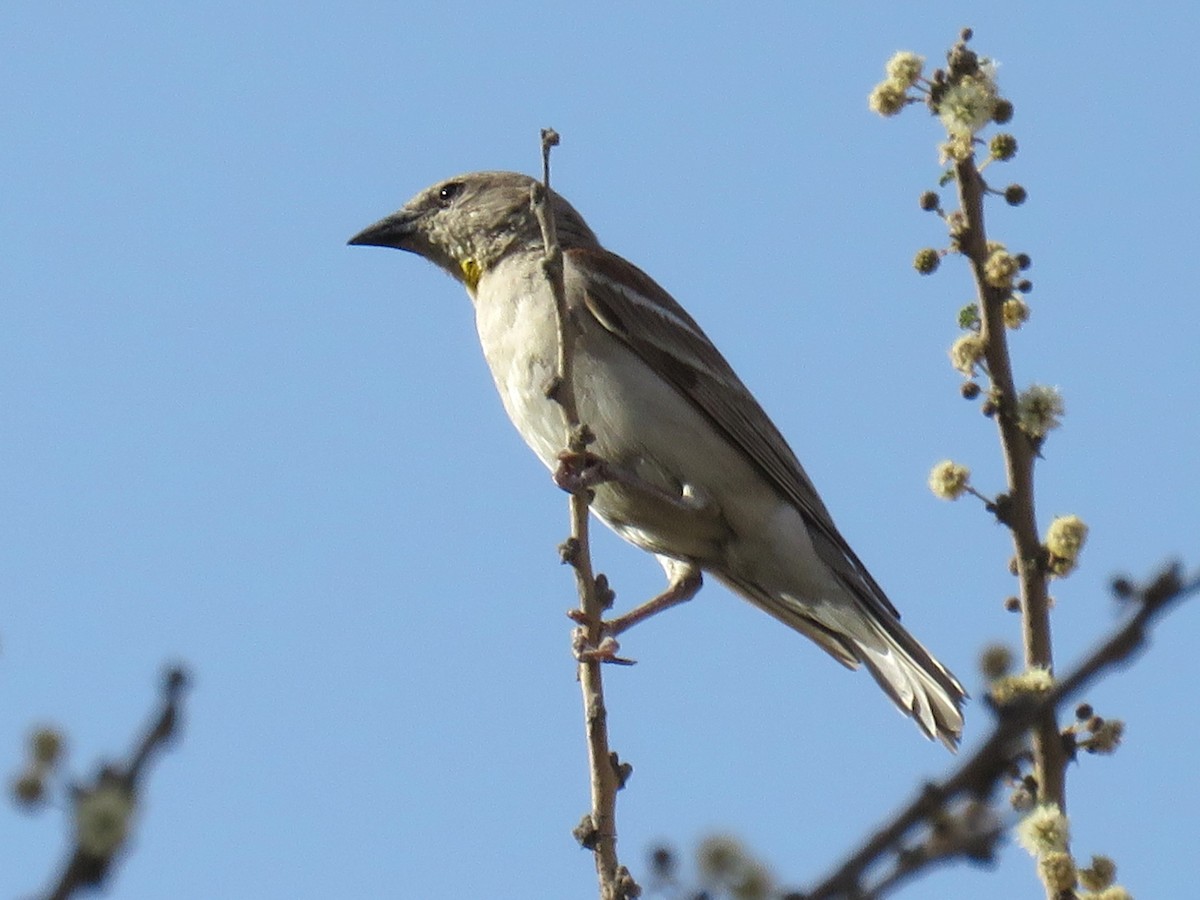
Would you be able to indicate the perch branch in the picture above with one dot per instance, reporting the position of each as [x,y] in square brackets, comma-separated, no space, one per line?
[598,830]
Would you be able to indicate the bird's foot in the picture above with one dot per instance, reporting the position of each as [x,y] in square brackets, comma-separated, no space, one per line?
[604,652]
[580,471]
[686,581]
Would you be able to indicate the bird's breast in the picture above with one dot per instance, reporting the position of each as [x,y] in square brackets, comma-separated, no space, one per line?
[518,330]
[641,423]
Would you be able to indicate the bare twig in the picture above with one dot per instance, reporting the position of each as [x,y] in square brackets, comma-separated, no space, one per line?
[598,830]
[103,809]
[978,775]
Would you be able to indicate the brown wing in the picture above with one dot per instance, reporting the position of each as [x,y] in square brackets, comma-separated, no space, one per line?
[630,304]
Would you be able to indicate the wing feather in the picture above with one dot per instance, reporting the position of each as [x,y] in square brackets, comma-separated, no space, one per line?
[632,306]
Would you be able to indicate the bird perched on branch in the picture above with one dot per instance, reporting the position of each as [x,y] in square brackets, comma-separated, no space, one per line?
[694,470]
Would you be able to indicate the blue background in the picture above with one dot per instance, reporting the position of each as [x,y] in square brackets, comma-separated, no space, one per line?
[228,439]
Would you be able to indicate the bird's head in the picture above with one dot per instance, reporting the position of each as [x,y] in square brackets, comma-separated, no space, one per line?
[468,224]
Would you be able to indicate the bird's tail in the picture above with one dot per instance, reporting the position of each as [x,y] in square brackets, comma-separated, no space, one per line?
[917,683]
[865,633]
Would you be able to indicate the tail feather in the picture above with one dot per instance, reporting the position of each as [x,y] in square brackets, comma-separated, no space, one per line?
[855,632]
[922,687]
[908,673]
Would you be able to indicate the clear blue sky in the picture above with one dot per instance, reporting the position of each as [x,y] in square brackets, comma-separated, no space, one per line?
[228,439]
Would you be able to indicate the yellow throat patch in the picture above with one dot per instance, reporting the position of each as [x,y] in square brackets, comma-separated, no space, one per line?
[471,272]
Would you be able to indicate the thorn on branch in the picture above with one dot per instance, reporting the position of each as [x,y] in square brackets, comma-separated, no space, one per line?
[627,887]
[1002,508]
[568,551]
[604,593]
[586,832]
[623,770]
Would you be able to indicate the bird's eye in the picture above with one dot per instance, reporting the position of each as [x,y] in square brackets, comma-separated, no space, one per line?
[448,192]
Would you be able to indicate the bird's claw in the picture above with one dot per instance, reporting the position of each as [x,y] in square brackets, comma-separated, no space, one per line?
[580,471]
[604,652]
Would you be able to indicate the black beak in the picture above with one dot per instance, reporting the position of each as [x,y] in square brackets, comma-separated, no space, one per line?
[397,230]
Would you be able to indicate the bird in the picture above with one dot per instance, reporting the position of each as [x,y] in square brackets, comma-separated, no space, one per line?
[698,474]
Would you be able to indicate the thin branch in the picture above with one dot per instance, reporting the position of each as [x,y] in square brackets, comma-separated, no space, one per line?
[598,830]
[103,809]
[1049,757]
[978,775]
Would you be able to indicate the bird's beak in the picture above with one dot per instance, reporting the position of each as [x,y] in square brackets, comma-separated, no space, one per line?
[397,230]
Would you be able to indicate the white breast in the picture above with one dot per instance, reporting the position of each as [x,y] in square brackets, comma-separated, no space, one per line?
[518,330]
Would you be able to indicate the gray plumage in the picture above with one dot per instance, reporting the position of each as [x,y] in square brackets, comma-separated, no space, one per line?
[726,493]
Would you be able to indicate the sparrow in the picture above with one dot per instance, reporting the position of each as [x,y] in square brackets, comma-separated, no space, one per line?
[699,475]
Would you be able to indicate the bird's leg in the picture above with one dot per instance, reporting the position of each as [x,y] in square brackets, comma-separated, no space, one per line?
[581,471]
[685,583]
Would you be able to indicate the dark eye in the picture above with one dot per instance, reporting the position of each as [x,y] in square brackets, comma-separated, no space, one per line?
[448,192]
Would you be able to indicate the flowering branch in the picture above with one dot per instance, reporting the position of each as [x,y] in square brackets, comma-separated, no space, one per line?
[968,830]
[104,809]
[1019,455]
[965,97]
[598,829]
